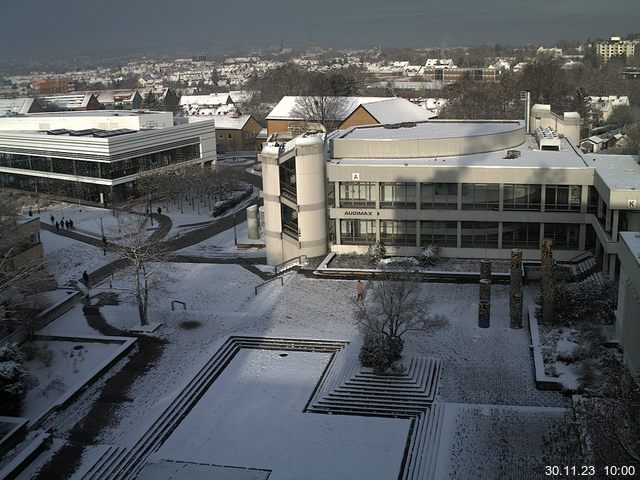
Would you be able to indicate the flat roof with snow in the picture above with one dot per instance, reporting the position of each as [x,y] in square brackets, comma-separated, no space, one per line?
[431,129]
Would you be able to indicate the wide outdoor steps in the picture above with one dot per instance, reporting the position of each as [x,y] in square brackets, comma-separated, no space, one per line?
[349,388]
[107,461]
[126,463]
[422,455]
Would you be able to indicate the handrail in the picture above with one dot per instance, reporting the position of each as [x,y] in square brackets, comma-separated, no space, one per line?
[582,256]
[255,290]
[292,262]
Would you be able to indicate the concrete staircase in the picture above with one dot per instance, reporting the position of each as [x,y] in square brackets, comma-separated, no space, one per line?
[586,270]
[125,463]
[422,452]
[351,389]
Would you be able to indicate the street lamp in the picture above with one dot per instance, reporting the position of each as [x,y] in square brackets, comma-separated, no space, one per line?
[235,237]
[150,212]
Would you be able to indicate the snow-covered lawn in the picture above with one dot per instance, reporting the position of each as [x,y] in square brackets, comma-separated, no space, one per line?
[58,365]
[480,367]
[89,220]
[223,244]
[186,217]
[70,323]
[66,258]
[202,286]
[252,416]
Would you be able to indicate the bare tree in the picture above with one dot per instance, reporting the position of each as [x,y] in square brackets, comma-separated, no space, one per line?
[142,256]
[394,306]
[19,276]
[327,110]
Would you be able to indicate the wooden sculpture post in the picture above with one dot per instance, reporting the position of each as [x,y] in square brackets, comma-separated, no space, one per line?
[547,279]
[515,290]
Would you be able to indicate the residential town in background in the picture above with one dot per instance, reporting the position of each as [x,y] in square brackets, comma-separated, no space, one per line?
[398,263]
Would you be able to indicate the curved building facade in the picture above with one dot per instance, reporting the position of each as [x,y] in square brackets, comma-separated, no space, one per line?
[477,189]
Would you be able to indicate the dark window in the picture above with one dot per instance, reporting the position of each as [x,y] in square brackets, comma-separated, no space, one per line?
[443,234]
[397,195]
[522,197]
[564,236]
[440,196]
[521,235]
[398,232]
[357,194]
[357,232]
[562,197]
[480,196]
[479,235]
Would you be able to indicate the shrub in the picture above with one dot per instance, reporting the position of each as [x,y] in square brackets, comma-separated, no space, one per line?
[429,255]
[582,302]
[375,352]
[377,251]
[13,380]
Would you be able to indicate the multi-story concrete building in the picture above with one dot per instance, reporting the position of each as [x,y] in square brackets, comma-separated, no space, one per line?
[616,47]
[475,188]
[627,313]
[96,155]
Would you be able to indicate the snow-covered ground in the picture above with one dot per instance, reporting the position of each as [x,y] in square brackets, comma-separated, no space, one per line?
[66,258]
[58,366]
[253,417]
[72,322]
[224,245]
[480,367]
[185,217]
[89,220]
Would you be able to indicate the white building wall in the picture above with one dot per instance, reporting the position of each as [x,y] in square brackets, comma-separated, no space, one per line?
[628,312]
[102,119]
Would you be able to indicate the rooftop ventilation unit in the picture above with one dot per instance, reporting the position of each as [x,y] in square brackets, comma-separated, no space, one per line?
[547,139]
[83,133]
[393,126]
[112,133]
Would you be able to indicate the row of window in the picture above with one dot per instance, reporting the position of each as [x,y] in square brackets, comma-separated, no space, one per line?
[112,170]
[474,196]
[69,188]
[445,234]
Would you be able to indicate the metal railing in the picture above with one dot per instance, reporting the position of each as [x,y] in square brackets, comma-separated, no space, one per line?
[289,264]
[257,287]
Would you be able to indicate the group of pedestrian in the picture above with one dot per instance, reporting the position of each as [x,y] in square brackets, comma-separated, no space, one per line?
[68,223]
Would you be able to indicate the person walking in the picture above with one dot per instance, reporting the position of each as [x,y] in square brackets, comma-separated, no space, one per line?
[57,225]
[85,277]
[71,224]
[159,211]
[53,219]
[360,291]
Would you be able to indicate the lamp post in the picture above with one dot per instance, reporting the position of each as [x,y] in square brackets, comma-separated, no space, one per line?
[150,212]
[235,237]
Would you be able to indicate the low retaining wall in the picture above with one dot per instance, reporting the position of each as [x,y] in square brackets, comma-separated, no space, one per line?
[73,391]
[44,318]
[543,381]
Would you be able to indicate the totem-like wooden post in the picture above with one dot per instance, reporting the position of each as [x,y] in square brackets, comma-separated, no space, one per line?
[484,314]
[485,290]
[547,279]
[484,305]
[515,290]
[485,269]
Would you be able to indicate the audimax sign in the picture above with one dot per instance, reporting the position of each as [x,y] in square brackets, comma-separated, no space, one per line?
[359,213]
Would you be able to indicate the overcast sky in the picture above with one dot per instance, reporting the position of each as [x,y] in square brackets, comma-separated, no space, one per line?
[60,28]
